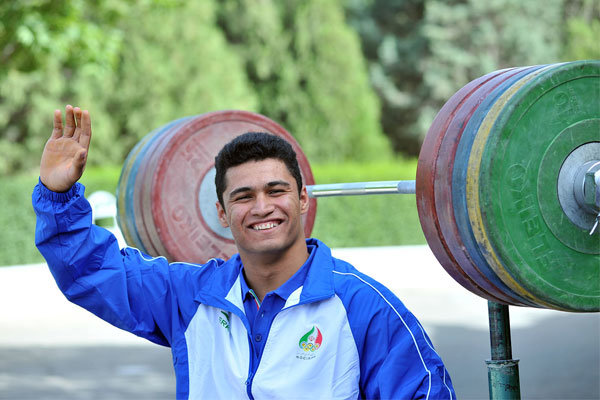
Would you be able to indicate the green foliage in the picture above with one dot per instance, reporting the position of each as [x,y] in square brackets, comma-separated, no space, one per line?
[583,40]
[582,30]
[393,40]
[18,221]
[101,178]
[375,220]
[340,222]
[306,66]
[18,218]
[42,44]
[421,52]
[73,32]
[173,65]
[136,65]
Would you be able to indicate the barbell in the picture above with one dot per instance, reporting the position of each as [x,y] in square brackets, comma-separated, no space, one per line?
[507,186]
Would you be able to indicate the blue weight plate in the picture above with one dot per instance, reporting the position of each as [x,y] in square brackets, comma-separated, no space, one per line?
[459,176]
[127,224]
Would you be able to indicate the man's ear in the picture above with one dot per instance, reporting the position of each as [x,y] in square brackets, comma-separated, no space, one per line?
[222,216]
[304,200]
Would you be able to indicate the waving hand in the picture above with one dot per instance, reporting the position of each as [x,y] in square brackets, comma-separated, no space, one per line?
[65,153]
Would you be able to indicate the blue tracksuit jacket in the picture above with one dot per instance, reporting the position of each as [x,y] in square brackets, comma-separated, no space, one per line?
[340,335]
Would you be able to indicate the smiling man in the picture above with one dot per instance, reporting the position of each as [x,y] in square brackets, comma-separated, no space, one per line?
[280,319]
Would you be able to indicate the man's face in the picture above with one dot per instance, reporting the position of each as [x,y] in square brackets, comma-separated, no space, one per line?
[262,207]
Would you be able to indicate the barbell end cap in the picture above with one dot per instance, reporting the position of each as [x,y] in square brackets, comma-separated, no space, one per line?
[407,187]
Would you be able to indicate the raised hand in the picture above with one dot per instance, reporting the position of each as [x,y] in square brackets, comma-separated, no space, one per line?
[65,153]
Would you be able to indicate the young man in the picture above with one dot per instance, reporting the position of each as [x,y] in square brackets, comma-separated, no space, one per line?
[280,319]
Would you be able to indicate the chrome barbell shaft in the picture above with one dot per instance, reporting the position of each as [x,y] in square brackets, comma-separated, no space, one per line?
[361,188]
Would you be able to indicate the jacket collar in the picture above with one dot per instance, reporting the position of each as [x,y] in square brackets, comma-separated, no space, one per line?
[223,289]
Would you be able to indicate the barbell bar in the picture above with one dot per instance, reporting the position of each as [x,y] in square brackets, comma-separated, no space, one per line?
[361,188]
[505,188]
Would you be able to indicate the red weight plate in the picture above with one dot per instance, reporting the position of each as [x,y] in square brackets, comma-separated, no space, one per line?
[184,164]
[125,188]
[144,218]
[443,191]
[425,186]
[142,207]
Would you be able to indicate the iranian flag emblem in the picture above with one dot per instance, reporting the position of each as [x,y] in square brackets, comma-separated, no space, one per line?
[311,341]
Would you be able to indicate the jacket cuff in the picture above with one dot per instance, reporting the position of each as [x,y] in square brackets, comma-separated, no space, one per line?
[59,197]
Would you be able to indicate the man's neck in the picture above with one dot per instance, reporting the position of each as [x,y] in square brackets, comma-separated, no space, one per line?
[266,272]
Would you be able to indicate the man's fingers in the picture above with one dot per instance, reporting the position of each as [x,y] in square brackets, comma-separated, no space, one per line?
[58,127]
[69,122]
[77,114]
[85,134]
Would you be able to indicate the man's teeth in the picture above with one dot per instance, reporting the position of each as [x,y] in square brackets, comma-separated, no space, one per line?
[266,225]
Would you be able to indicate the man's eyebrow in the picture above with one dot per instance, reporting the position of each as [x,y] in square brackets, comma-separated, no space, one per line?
[239,190]
[271,184]
[278,183]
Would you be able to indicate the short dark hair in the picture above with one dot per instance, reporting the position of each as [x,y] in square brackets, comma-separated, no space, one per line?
[254,146]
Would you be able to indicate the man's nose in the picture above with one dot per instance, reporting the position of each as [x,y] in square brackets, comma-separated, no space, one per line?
[262,205]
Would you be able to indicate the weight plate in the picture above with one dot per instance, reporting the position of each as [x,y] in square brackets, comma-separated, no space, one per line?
[125,187]
[184,167]
[143,196]
[467,254]
[467,149]
[506,181]
[425,186]
[137,184]
[123,221]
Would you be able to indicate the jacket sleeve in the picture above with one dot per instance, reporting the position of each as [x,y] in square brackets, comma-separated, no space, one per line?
[124,287]
[397,359]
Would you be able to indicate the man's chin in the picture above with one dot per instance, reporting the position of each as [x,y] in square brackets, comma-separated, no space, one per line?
[268,248]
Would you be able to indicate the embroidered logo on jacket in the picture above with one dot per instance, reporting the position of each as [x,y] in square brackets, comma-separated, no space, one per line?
[309,344]
[224,321]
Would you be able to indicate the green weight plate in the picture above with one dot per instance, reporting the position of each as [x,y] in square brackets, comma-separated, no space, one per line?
[551,105]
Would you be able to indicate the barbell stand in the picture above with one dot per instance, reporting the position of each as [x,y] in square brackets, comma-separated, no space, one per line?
[503,371]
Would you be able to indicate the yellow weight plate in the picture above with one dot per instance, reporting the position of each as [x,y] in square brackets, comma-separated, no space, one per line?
[472,188]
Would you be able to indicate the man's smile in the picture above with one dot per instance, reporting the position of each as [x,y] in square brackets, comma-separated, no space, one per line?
[265,225]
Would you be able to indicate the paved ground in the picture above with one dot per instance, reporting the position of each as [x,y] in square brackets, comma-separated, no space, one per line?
[51,349]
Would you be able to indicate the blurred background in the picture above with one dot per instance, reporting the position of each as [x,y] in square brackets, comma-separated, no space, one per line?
[356,82]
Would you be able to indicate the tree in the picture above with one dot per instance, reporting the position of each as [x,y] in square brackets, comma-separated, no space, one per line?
[42,44]
[135,65]
[582,23]
[421,52]
[306,66]
[174,63]
[394,43]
